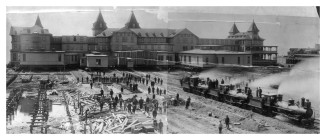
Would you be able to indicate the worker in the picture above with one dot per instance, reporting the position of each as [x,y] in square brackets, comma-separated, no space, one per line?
[129,107]
[160,92]
[155,125]
[157,90]
[260,92]
[188,102]
[121,101]
[153,96]
[222,82]
[154,113]
[164,91]
[153,90]
[111,93]
[149,90]
[161,81]
[160,127]
[134,107]
[101,105]
[102,92]
[114,105]
[227,122]
[77,79]
[121,89]
[116,99]
[141,102]
[91,85]
[155,79]
[120,96]
[220,126]
[257,92]
[146,82]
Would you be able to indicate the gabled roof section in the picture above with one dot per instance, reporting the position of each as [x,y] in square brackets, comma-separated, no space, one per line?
[108,32]
[99,23]
[38,22]
[132,22]
[253,27]
[234,29]
[28,30]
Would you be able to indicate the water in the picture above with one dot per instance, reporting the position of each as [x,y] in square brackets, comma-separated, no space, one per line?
[21,115]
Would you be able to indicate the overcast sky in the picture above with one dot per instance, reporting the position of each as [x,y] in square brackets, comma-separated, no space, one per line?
[286,27]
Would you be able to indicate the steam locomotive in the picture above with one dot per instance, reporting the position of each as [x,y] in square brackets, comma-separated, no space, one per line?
[266,104]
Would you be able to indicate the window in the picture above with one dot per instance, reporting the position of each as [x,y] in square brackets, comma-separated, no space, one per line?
[238,60]
[185,59]
[59,57]
[28,31]
[248,59]
[72,58]
[192,47]
[24,57]
[222,60]
[124,39]
[98,61]
[76,57]
[89,48]
[82,61]
[189,57]
[75,38]
[197,60]
[206,60]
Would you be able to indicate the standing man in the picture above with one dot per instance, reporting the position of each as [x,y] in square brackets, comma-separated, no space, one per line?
[188,102]
[91,85]
[164,91]
[157,90]
[121,89]
[257,92]
[149,90]
[111,93]
[161,81]
[160,127]
[220,126]
[177,97]
[141,102]
[154,114]
[102,92]
[227,122]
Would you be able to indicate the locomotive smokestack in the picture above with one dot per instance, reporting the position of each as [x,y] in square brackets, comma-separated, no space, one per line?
[308,103]
[303,101]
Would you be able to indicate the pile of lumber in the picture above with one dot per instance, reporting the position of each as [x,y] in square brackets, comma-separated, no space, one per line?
[114,123]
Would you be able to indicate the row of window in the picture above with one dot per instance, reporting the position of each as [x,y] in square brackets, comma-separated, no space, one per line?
[216,41]
[206,60]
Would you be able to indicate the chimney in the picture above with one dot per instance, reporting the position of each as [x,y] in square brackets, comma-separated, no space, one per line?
[303,102]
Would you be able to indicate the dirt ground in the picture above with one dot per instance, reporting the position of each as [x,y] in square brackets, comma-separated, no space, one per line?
[177,120]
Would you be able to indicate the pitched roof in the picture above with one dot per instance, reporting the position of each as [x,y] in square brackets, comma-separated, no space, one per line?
[99,23]
[108,32]
[38,22]
[253,28]
[132,22]
[234,29]
[154,32]
[27,30]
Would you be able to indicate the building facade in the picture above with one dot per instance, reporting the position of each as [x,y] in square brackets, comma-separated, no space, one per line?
[133,46]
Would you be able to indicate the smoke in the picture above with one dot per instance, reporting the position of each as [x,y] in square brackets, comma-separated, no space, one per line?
[268,81]
[303,81]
